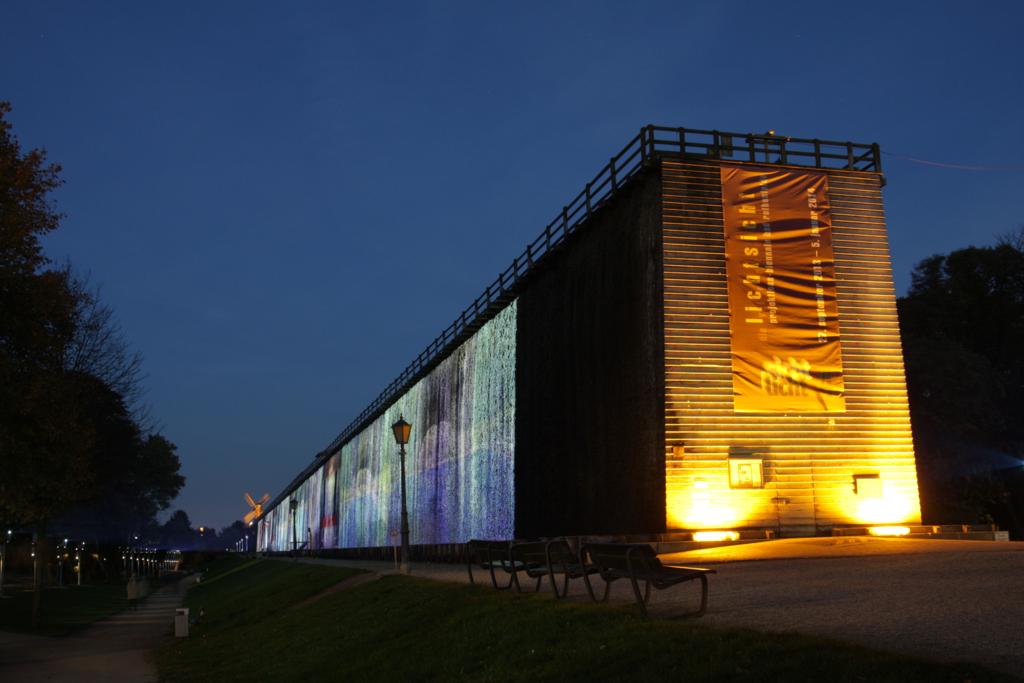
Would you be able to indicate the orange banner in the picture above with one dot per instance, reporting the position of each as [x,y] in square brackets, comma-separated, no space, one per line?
[782,291]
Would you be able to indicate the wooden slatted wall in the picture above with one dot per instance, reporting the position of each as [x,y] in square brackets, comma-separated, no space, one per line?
[809,461]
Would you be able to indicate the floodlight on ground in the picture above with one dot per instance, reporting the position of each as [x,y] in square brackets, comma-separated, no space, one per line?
[715,536]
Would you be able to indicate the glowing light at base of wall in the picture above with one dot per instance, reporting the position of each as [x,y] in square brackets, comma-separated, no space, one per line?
[890,508]
[715,536]
[459,461]
[709,503]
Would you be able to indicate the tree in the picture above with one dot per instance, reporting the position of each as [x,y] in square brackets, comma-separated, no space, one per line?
[98,346]
[26,214]
[963,327]
[135,476]
[230,535]
[43,441]
[177,532]
[35,306]
[69,438]
[46,439]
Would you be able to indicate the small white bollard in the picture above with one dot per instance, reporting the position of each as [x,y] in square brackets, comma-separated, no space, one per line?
[181,622]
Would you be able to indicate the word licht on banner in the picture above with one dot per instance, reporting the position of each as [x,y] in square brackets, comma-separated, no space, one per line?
[783,316]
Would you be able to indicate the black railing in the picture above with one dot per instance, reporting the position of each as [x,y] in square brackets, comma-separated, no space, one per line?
[764,148]
[652,142]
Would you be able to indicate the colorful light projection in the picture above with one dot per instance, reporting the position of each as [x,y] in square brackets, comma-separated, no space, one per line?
[282,527]
[274,529]
[460,456]
[314,509]
[329,516]
[460,459]
[261,534]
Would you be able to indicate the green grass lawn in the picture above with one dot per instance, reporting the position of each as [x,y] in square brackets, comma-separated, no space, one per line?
[62,610]
[224,565]
[409,629]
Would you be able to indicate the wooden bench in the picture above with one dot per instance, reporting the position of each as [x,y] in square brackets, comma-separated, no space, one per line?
[639,562]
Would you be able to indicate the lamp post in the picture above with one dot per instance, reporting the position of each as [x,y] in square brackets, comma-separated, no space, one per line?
[3,561]
[292,504]
[35,563]
[61,550]
[402,429]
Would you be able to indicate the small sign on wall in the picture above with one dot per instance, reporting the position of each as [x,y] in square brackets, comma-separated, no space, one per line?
[867,485]
[746,473]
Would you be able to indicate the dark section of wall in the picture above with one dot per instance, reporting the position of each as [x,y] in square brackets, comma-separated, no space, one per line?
[590,409]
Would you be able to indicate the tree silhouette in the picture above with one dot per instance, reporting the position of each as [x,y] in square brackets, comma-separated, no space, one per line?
[69,439]
[963,330]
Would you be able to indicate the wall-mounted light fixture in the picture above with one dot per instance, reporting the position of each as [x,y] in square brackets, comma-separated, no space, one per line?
[867,485]
[746,473]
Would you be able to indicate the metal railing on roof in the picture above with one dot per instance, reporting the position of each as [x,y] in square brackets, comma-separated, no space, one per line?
[652,142]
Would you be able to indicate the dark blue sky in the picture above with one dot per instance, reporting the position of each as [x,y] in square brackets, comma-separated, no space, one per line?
[285,205]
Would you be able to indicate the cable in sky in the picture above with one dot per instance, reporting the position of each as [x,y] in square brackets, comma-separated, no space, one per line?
[959,167]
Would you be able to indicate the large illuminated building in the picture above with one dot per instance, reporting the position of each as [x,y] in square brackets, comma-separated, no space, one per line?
[705,338]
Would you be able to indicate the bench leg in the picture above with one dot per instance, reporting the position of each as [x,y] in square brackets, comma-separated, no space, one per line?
[515,580]
[703,596]
[539,580]
[590,589]
[640,601]
[469,569]
[494,579]
[554,582]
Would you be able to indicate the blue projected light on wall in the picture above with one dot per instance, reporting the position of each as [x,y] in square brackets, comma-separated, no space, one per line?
[460,460]
[329,514]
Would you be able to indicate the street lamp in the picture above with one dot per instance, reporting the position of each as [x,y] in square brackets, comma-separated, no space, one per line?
[292,504]
[3,562]
[402,430]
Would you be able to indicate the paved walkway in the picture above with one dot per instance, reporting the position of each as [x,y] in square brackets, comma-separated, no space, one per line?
[940,600]
[115,649]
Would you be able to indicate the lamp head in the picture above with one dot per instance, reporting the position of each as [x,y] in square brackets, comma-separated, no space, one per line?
[402,430]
